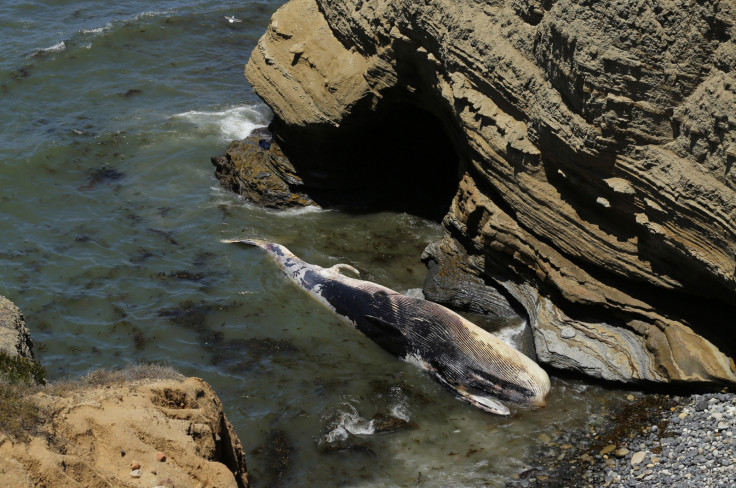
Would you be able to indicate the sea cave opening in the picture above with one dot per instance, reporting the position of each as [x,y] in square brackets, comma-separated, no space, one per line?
[398,157]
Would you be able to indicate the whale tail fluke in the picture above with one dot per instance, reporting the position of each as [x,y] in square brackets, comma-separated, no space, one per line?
[248,242]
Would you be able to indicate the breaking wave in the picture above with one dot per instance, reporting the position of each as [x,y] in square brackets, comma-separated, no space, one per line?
[232,123]
[348,421]
[56,48]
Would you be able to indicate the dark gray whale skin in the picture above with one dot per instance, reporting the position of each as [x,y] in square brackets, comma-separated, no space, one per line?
[478,367]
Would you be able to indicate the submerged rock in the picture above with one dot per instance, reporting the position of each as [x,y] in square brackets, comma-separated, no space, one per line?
[595,187]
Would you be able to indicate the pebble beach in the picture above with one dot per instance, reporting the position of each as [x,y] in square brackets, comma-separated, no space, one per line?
[657,441]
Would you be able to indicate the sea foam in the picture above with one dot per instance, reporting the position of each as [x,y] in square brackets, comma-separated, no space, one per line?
[56,48]
[348,422]
[232,123]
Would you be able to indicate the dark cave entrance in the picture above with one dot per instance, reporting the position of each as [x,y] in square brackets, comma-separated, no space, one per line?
[396,158]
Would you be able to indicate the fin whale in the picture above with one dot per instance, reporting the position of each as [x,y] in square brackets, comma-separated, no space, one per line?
[473,363]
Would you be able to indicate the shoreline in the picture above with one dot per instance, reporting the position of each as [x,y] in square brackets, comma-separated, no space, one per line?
[656,441]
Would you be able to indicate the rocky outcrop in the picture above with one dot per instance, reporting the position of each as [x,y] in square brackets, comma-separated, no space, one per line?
[595,188]
[15,338]
[145,425]
[257,169]
[92,435]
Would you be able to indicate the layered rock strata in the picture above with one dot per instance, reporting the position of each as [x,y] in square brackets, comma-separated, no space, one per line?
[595,142]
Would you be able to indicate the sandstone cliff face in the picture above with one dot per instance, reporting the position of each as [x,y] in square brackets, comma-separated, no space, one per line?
[595,142]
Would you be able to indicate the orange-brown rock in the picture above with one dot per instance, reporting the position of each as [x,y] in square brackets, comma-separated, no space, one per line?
[90,435]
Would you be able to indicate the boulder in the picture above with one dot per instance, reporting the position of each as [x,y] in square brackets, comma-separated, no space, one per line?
[95,434]
[257,169]
[594,180]
[15,338]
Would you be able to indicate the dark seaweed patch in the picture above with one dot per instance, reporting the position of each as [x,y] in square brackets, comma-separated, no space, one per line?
[131,92]
[181,275]
[383,423]
[188,314]
[21,73]
[254,350]
[141,255]
[139,339]
[101,175]
[166,235]
[276,455]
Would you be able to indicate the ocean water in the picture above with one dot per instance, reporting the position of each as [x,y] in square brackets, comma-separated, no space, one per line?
[111,217]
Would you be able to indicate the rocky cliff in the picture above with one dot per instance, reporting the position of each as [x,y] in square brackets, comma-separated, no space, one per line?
[590,148]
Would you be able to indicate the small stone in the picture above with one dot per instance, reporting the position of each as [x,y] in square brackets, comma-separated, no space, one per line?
[682,415]
[603,202]
[544,438]
[608,449]
[136,473]
[122,453]
[566,446]
[160,456]
[630,398]
[135,465]
[701,404]
[621,452]
[567,333]
[722,426]
[638,457]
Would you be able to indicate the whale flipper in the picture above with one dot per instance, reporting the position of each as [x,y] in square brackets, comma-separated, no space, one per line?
[476,398]
[484,402]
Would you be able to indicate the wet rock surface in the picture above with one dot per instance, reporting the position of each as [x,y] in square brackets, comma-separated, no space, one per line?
[257,169]
[595,181]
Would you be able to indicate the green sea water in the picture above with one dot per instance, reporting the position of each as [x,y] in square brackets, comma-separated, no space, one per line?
[110,221]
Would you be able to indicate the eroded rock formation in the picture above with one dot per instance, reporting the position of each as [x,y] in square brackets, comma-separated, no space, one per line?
[595,145]
[15,338]
[90,436]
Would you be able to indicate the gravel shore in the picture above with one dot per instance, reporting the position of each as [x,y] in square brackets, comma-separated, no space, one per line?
[656,441]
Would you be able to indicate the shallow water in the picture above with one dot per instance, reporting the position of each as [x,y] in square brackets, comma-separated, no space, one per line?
[110,219]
